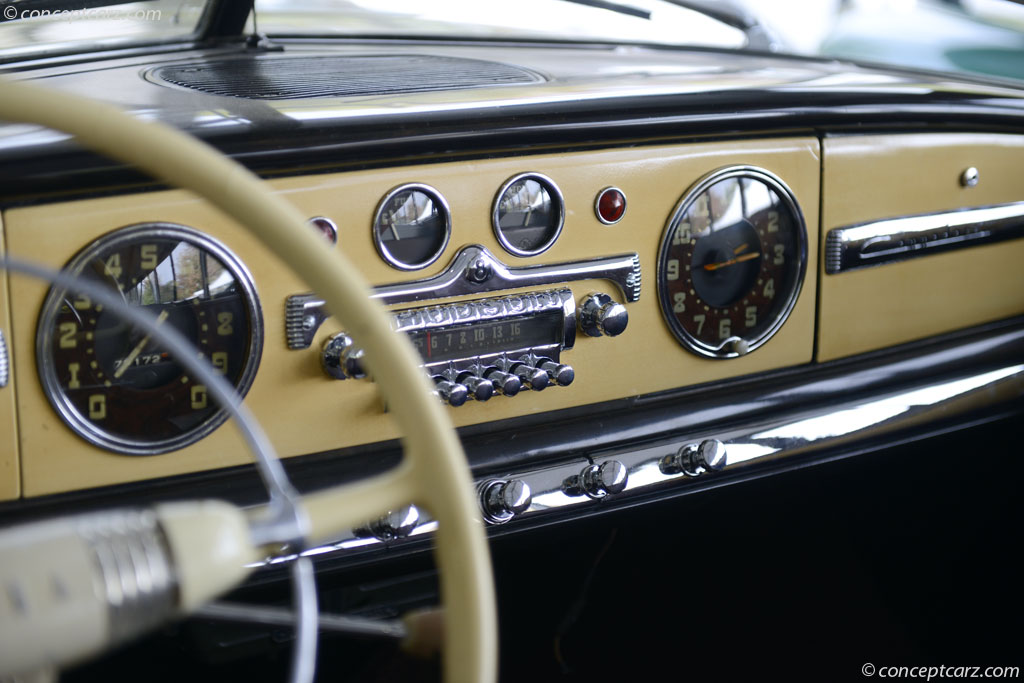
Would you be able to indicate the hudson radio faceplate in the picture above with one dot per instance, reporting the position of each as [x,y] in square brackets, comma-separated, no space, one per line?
[475,349]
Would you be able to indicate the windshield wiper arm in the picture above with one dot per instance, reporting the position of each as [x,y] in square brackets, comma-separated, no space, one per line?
[613,7]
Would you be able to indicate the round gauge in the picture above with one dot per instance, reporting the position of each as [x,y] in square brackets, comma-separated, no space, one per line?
[732,261]
[412,226]
[115,385]
[528,214]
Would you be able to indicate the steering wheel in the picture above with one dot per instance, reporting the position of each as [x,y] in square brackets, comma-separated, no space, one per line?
[434,472]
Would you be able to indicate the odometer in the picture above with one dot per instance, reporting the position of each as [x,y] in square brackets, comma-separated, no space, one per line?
[117,386]
[731,263]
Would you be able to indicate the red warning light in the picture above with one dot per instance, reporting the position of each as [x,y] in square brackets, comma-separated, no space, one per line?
[610,205]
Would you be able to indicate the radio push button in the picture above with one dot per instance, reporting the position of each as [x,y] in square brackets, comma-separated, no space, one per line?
[505,383]
[452,393]
[560,375]
[480,388]
[531,377]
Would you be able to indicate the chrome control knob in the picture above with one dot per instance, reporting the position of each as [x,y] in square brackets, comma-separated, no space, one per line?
[559,374]
[530,377]
[341,359]
[393,525]
[480,389]
[503,499]
[452,393]
[601,315]
[693,460]
[598,481]
[505,383]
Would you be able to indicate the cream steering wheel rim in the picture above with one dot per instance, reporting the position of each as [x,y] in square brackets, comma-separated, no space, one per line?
[433,473]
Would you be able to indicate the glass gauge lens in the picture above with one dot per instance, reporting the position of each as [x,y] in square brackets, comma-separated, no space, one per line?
[412,226]
[528,214]
[117,386]
[732,261]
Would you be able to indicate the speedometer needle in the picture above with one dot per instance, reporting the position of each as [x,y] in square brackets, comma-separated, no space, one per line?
[130,358]
[738,259]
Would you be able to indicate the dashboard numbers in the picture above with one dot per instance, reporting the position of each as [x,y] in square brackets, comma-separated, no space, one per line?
[115,385]
[731,263]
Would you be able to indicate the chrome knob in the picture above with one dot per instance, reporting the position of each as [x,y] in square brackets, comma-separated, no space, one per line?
[392,525]
[503,499]
[452,393]
[601,315]
[559,374]
[693,460]
[505,383]
[480,389]
[530,377]
[341,359]
[598,481]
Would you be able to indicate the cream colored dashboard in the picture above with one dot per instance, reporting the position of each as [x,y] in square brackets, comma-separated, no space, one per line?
[304,411]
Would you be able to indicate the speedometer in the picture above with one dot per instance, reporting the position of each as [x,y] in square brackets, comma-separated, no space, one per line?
[117,386]
[731,263]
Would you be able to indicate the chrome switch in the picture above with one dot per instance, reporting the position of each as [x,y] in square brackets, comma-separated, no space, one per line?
[693,460]
[598,481]
[503,499]
[393,525]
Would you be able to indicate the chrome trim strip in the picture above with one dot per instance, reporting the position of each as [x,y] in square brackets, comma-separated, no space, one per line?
[474,270]
[4,363]
[797,432]
[898,239]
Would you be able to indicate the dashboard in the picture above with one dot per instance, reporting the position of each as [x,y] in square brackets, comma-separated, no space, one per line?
[617,295]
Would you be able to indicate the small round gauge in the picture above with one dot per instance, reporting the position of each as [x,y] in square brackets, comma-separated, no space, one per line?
[412,226]
[528,214]
[732,261]
[115,385]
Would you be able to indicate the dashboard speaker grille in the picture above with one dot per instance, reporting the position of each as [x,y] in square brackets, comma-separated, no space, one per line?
[284,78]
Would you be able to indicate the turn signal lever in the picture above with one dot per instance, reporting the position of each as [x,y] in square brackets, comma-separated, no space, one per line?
[76,585]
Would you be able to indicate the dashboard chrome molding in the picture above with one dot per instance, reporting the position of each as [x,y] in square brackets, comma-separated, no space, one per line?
[898,239]
[5,366]
[799,432]
[474,270]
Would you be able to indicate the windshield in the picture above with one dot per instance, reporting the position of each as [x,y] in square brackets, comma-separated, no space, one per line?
[630,21]
[981,37]
[34,28]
